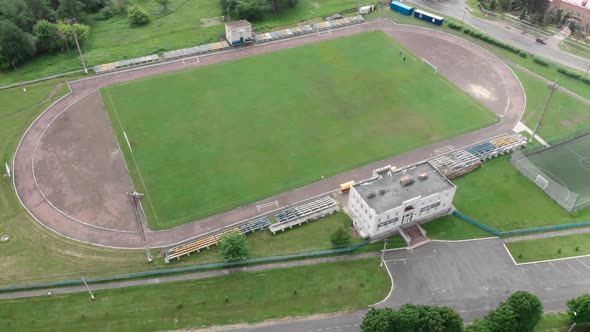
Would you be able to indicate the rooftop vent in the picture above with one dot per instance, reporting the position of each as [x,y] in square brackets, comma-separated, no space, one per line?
[406,181]
[423,176]
[371,195]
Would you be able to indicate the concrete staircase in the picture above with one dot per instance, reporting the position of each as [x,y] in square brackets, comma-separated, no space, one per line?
[414,235]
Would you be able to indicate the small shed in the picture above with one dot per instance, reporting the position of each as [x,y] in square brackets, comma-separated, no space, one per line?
[428,17]
[238,32]
[401,8]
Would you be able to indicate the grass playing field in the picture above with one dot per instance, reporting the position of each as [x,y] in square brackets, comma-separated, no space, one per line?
[208,140]
[235,298]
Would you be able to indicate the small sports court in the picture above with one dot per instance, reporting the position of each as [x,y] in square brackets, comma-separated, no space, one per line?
[568,165]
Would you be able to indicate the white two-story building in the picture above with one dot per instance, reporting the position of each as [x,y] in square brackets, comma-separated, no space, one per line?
[396,198]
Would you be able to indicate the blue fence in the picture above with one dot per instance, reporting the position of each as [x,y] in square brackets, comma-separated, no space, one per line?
[183,269]
[520,231]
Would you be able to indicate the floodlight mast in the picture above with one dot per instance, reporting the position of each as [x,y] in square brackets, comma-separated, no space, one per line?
[72,22]
[552,88]
[135,201]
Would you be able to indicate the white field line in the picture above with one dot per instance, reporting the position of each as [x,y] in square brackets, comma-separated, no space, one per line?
[390,289]
[127,140]
[134,161]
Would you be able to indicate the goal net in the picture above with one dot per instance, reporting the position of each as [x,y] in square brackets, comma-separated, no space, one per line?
[424,61]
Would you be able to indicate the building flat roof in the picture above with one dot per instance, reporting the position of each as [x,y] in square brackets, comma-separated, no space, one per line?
[237,24]
[580,3]
[386,192]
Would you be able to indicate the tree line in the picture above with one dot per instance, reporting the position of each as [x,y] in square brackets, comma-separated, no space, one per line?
[255,9]
[519,313]
[31,27]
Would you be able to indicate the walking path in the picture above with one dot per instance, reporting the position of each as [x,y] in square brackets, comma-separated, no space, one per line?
[183,277]
[548,234]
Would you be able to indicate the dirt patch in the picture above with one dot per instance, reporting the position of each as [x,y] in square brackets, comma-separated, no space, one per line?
[566,123]
[210,21]
[481,92]
[580,118]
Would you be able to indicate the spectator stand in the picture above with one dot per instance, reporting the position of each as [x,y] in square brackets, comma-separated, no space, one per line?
[206,242]
[304,213]
[463,161]
[196,50]
[124,64]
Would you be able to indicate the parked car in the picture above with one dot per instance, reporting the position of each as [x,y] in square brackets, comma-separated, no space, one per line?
[541,41]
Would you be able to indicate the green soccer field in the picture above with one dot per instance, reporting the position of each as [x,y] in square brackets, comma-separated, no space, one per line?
[214,138]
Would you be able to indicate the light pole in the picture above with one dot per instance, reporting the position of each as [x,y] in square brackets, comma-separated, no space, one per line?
[574,323]
[72,22]
[383,253]
[85,284]
[462,18]
[135,199]
[20,78]
[552,88]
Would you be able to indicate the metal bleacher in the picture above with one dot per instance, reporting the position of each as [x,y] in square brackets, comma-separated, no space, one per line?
[305,29]
[304,213]
[127,63]
[460,162]
[206,242]
[196,50]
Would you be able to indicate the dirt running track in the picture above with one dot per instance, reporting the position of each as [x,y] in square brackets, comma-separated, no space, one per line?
[71,176]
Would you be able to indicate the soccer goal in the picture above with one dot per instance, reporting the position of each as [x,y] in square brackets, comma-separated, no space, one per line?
[431,65]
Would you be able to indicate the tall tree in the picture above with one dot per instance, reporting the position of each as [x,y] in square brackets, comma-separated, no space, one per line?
[378,320]
[17,12]
[528,310]
[15,44]
[68,9]
[233,247]
[503,319]
[579,308]
[41,9]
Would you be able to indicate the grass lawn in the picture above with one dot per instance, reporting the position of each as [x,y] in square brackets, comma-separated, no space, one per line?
[548,248]
[207,140]
[583,50]
[453,228]
[243,297]
[187,23]
[564,115]
[510,200]
[555,322]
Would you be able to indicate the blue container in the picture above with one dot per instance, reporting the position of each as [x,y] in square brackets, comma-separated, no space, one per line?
[428,17]
[401,8]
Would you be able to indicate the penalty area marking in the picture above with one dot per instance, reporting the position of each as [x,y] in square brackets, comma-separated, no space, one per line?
[265,205]
[184,61]
[127,139]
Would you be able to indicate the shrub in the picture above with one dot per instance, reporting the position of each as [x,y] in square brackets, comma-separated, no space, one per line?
[341,238]
[523,54]
[137,16]
[106,12]
[455,26]
[541,61]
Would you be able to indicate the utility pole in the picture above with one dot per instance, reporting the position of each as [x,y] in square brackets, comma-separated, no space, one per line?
[552,88]
[227,8]
[20,77]
[383,253]
[462,18]
[85,284]
[135,198]
[72,22]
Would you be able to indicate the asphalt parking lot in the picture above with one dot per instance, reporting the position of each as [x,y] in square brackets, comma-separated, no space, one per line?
[475,276]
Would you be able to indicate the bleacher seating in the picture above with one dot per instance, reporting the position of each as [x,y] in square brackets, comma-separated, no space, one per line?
[304,213]
[127,63]
[460,162]
[206,242]
[196,50]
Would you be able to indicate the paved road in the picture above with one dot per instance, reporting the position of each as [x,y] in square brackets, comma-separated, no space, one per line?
[504,31]
[472,277]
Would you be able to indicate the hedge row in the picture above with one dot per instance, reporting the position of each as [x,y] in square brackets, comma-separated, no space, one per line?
[541,61]
[574,75]
[489,39]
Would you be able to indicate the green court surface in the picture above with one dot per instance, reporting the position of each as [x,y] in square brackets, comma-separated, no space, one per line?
[214,138]
[567,164]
